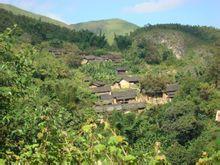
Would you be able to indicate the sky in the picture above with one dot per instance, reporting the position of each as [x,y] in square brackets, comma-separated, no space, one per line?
[140,12]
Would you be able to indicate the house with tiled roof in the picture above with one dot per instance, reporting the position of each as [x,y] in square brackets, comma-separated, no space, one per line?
[125,81]
[171,90]
[102,90]
[124,97]
[120,107]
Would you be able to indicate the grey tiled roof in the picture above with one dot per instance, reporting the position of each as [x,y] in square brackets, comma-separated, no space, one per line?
[120,107]
[172,87]
[171,90]
[102,89]
[124,95]
[106,97]
[98,83]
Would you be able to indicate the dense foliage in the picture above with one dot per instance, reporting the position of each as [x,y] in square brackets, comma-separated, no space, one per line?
[46,114]
[46,107]
[123,42]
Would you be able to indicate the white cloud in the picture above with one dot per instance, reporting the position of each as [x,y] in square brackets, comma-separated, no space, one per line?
[154,6]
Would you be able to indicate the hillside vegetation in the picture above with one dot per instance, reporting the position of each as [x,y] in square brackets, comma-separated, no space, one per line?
[18,11]
[48,109]
[181,39]
[109,27]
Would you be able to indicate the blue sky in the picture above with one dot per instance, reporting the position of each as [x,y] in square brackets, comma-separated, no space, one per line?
[140,12]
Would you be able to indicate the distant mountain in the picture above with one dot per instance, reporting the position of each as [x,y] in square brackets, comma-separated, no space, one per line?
[109,27]
[18,11]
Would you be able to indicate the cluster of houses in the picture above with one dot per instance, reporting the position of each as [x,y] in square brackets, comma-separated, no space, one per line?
[125,94]
[116,97]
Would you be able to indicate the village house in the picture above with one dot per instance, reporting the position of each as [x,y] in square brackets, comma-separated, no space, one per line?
[124,97]
[99,59]
[158,97]
[92,58]
[106,99]
[88,58]
[96,84]
[112,57]
[121,71]
[154,96]
[125,82]
[171,90]
[131,79]
[120,107]
[102,90]
[153,93]
[115,85]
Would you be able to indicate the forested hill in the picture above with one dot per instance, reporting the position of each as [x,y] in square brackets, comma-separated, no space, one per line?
[109,27]
[36,31]
[181,39]
[18,11]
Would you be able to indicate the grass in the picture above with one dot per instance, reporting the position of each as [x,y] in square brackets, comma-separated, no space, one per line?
[18,11]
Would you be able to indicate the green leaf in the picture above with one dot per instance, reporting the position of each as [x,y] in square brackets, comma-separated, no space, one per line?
[113,149]
[99,148]
[2,161]
[129,158]
[115,140]
[87,128]
[112,140]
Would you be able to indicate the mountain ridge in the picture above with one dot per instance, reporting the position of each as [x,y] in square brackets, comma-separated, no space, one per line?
[109,27]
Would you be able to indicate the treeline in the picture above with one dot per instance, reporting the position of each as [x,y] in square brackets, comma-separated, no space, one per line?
[39,31]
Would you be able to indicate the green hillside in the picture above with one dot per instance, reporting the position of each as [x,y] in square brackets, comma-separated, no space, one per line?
[109,27]
[18,11]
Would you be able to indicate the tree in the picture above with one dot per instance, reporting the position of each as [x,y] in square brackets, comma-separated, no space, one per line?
[213,71]
[123,42]
[152,85]
[180,120]
[56,43]
[148,51]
